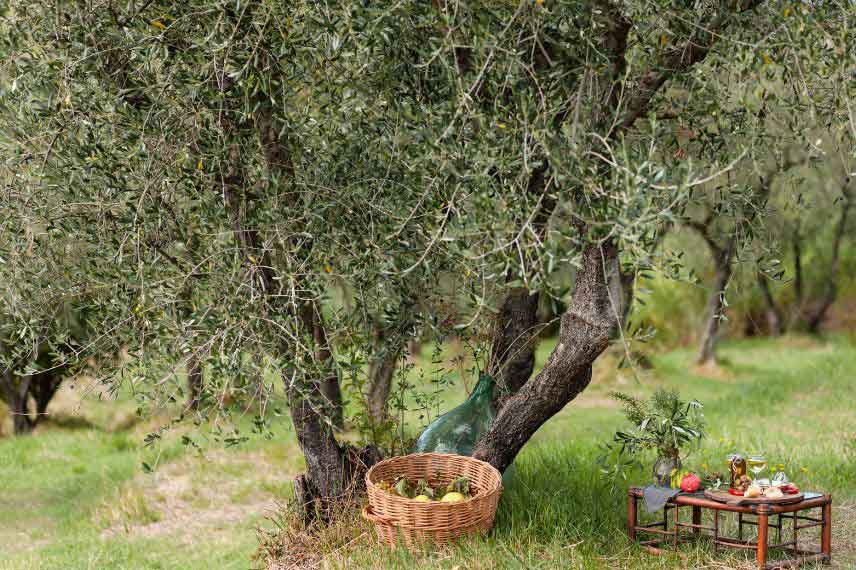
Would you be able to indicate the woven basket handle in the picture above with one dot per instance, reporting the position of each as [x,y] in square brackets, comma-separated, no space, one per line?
[375,518]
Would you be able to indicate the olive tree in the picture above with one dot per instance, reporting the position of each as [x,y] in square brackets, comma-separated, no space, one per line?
[218,166]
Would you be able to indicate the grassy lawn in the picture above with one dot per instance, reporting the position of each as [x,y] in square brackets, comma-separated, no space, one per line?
[74,495]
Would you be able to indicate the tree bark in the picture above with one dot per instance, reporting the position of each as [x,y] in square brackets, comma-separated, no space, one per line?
[311,400]
[330,387]
[584,334]
[722,258]
[280,165]
[771,310]
[673,61]
[390,339]
[796,247]
[381,372]
[195,381]
[43,387]
[515,335]
[515,339]
[16,394]
[815,318]
[716,303]
[385,354]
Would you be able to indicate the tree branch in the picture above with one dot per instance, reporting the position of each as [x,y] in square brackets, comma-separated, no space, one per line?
[678,60]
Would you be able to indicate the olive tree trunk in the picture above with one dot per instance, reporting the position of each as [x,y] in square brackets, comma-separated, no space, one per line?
[16,393]
[715,308]
[796,248]
[329,388]
[723,255]
[43,387]
[515,337]
[775,323]
[195,381]
[314,398]
[815,317]
[381,373]
[586,328]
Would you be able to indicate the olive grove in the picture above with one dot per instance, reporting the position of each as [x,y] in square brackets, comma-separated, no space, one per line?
[303,187]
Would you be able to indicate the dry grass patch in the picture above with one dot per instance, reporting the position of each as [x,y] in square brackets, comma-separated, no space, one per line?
[180,499]
[291,546]
[714,371]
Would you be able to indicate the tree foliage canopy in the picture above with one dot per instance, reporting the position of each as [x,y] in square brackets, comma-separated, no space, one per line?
[206,176]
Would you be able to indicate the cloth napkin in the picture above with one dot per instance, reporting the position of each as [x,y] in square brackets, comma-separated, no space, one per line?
[655,498]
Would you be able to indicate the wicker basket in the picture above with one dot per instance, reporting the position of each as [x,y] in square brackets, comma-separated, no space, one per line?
[416,524]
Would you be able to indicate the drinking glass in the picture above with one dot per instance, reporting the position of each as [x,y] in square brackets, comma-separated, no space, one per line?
[757,463]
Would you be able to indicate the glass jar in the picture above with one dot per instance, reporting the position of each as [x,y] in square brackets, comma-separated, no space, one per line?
[737,466]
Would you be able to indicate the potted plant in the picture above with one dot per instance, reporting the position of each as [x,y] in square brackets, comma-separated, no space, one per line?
[664,423]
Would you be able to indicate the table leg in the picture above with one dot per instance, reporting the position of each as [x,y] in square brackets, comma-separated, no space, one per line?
[676,528]
[715,530]
[739,526]
[631,516]
[796,530]
[763,530]
[697,520]
[826,532]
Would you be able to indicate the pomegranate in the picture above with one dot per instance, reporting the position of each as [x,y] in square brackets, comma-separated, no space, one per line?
[690,483]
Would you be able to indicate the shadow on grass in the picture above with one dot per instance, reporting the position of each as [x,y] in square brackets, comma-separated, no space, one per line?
[72,422]
[75,422]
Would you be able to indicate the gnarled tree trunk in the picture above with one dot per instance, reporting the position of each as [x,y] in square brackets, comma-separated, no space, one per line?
[584,334]
[723,256]
[815,318]
[314,397]
[195,380]
[15,392]
[390,339]
[329,388]
[771,310]
[515,338]
[43,387]
[716,303]
[387,348]
[333,471]
[796,248]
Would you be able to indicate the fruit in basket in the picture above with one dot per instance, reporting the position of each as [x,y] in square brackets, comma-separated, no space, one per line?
[690,483]
[423,488]
[421,491]
[403,488]
[460,485]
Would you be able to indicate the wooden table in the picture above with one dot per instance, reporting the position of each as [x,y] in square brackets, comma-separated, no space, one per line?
[754,515]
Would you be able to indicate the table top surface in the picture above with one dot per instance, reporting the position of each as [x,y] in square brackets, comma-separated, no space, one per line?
[810,500]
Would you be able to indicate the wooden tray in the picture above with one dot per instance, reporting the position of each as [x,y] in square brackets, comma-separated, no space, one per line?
[726,497]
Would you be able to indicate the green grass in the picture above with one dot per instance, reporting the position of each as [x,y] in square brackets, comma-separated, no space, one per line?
[76,497]
[790,399]
[79,498]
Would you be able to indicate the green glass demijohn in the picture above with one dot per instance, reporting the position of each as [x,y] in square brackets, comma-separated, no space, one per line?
[458,430]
